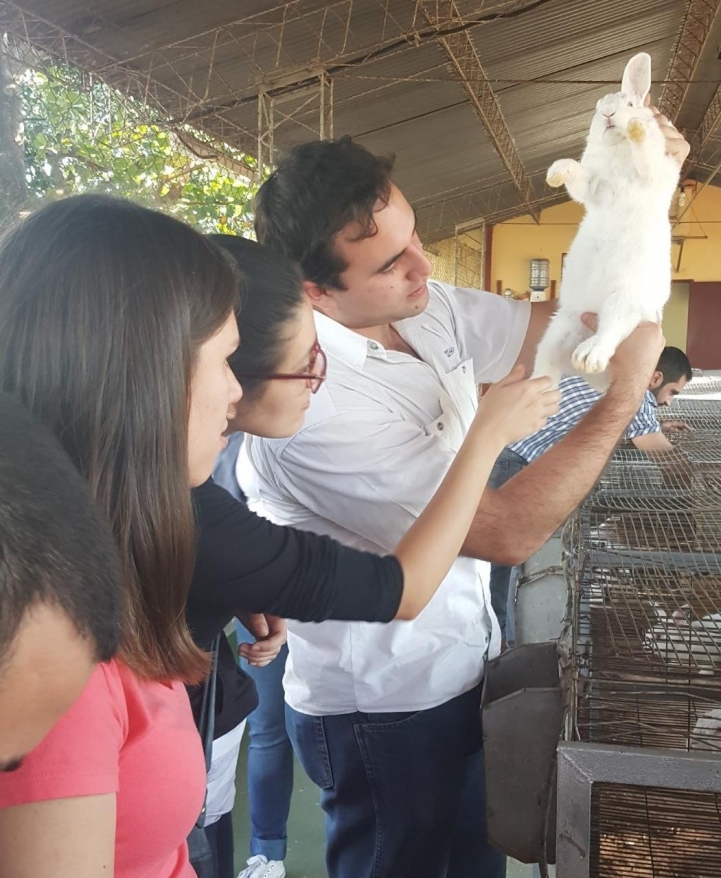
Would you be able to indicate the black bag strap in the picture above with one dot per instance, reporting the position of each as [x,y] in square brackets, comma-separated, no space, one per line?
[206,725]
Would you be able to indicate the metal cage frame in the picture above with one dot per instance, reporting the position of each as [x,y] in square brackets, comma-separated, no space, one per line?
[649,531]
[581,765]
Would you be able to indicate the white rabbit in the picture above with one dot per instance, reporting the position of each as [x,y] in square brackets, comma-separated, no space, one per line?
[619,264]
[693,644]
[706,733]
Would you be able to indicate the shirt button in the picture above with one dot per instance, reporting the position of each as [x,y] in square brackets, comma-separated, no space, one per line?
[463,369]
[374,346]
[440,425]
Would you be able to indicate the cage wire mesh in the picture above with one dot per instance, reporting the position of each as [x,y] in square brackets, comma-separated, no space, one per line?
[644,553]
[704,387]
[459,260]
[470,258]
[674,835]
[443,260]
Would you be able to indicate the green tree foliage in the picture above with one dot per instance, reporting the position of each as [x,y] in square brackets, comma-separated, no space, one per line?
[81,135]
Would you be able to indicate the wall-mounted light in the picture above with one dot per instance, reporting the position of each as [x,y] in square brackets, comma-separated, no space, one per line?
[685,194]
[539,274]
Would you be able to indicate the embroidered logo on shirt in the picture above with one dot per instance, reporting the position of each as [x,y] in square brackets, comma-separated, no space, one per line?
[449,352]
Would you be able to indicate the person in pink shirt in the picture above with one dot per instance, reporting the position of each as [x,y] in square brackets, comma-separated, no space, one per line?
[60,583]
[116,323]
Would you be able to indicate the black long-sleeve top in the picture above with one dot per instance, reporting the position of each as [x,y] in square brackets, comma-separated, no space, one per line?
[247,563]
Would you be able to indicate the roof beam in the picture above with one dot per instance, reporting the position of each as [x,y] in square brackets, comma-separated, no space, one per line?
[287,81]
[188,106]
[467,65]
[710,122]
[479,201]
[695,28]
[44,36]
[703,166]
[702,136]
[536,205]
[498,214]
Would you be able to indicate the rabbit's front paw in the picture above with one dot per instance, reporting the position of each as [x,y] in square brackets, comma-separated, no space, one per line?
[591,357]
[560,171]
[636,130]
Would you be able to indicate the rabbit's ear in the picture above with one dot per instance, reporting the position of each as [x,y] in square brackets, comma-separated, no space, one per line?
[637,77]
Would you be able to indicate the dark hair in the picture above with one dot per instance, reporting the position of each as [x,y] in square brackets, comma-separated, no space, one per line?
[674,364]
[103,306]
[54,546]
[316,190]
[270,295]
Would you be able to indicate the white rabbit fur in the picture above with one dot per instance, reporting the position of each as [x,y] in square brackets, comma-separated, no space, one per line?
[619,264]
[706,734]
[682,640]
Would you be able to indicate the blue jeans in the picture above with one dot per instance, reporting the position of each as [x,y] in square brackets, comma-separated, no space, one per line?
[403,793]
[270,758]
[502,597]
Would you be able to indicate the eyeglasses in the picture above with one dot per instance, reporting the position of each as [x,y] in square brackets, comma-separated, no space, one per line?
[317,367]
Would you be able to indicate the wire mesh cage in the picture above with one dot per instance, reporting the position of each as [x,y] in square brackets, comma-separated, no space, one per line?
[644,553]
[670,832]
[707,386]
[460,260]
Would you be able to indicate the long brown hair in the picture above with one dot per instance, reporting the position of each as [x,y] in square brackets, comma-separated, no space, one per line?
[103,306]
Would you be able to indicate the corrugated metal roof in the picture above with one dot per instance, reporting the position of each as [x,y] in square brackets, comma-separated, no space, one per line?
[562,36]
[393,86]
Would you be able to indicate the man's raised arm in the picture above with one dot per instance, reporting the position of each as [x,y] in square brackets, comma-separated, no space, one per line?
[514,521]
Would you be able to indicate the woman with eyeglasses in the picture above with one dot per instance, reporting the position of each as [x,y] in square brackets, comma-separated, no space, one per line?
[247,563]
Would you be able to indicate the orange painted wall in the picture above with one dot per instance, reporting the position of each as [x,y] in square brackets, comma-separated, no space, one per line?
[518,241]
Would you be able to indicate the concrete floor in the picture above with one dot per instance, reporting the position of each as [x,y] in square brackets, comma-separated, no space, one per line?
[305,829]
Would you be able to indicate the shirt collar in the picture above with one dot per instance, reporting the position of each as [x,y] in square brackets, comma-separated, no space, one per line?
[650,398]
[344,344]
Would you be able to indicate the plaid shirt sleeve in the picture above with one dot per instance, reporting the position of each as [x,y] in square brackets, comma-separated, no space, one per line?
[646,418]
[577,398]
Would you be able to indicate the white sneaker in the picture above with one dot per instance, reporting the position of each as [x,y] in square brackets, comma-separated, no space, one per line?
[261,867]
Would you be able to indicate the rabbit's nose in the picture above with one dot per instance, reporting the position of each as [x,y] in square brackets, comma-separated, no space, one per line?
[610,115]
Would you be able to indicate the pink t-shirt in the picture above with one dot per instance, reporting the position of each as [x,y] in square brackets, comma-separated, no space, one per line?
[133,738]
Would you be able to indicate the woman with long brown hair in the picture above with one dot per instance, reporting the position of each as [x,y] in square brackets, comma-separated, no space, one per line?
[116,323]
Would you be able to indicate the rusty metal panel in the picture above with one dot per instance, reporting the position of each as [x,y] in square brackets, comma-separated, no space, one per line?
[522,721]
[644,666]
[626,773]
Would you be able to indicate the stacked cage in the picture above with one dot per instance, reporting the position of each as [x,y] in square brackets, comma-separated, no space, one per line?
[644,669]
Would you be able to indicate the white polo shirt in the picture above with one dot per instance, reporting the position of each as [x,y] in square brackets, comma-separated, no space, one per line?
[377,440]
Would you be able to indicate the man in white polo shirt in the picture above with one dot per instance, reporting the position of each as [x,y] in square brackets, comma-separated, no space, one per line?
[385,719]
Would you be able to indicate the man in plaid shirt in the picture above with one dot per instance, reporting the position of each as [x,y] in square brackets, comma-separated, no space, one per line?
[645,431]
